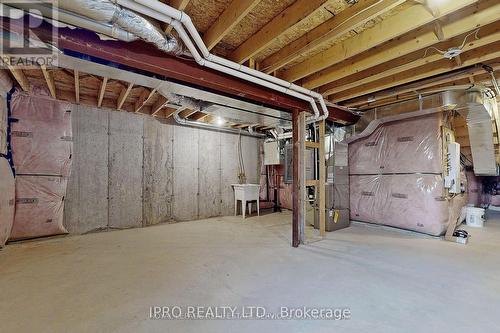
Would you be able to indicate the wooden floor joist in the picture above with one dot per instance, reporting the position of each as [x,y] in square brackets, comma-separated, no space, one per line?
[49,81]
[393,50]
[21,79]
[413,60]
[410,19]
[348,19]
[292,15]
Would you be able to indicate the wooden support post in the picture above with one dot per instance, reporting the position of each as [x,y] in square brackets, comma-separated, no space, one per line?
[301,182]
[322,179]
[295,170]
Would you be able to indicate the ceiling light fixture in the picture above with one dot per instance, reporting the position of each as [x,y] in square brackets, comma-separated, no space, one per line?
[453,52]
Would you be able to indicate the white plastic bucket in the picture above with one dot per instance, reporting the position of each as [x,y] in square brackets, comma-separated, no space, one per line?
[475,217]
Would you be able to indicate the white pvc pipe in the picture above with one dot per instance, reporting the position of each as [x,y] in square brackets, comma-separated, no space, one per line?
[214,62]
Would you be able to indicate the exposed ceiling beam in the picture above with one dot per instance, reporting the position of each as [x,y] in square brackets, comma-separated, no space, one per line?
[160,103]
[231,16]
[49,80]
[419,85]
[454,25]
[123,96]
[439,67]
[404,63]
[392,27]
[21,79]
[101,91]
[292,15]
[77,86]
[143,56]
[143,99]
[179,4]
[348,19]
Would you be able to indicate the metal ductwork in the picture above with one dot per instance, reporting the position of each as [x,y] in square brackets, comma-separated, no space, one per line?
[479,110]
[476,104]
[104,11]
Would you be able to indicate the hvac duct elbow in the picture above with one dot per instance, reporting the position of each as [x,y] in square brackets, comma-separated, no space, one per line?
[105,11]
[141,27]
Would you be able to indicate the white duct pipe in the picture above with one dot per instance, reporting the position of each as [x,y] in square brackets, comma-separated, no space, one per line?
[173,15]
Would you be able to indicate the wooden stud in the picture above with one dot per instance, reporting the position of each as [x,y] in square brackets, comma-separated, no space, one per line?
[298,11]
[310,144]
[77,86]
[160,103]
[21,79]
[348,19]
[49,80]
[392,27]
[231,16]
[101,91]
[123,96]
[143,99]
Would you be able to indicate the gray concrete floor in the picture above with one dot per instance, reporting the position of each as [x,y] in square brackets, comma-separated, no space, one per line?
[390,281]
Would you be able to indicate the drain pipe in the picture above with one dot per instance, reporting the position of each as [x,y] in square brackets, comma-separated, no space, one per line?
[179,20]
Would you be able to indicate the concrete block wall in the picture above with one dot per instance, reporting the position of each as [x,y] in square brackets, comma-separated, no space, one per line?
[131,170]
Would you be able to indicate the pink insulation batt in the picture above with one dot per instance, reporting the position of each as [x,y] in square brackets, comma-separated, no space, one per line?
[407,146]
[42,136]
[7,200]
[39,206]
[413,202]
[396,176]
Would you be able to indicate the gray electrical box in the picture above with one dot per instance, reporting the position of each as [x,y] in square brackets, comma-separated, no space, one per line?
[271,153]
[309,160]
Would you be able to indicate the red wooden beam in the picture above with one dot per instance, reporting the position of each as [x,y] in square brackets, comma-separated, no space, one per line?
[143,56]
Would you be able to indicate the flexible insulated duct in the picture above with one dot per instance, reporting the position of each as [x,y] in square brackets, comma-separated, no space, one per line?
[104,11]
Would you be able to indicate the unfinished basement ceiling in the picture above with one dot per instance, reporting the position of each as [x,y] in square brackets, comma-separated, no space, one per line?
[348,50]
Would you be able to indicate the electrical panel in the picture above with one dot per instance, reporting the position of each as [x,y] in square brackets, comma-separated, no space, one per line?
[309,164]
[452,177]
[271,153]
